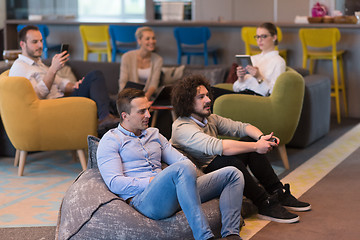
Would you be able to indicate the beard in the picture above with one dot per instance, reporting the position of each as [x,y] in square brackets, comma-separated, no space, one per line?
[204,113]
[34,54]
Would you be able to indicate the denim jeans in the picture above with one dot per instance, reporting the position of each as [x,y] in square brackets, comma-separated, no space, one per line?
[94,87]
[259,166]
[177,186]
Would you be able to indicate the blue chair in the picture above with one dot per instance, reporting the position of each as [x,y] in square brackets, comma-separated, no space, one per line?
[192,41]
[45,33]
[122,39]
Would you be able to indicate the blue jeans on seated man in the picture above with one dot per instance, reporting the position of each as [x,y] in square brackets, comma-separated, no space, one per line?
[177,187]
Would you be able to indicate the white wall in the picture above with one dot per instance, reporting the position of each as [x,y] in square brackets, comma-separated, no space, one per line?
[249,11]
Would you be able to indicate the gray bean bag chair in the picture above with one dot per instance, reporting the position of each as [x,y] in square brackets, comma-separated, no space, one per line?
[90,211]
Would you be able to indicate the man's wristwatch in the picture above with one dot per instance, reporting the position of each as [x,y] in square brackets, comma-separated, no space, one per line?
[260,80]
[261,136]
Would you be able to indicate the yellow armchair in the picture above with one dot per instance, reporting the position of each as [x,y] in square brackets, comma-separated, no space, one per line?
[44,125]
[278,113]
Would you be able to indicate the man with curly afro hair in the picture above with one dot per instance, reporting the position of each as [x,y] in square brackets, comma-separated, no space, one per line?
[195,132]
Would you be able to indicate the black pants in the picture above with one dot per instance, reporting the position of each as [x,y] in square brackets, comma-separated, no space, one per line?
[94,87]
[259,166]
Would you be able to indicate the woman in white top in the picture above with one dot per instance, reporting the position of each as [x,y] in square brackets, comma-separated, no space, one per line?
[260,78]
[142,65]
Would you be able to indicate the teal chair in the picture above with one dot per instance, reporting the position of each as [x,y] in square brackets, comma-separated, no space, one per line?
[122,39]
[45,32]
[192,41]
[278,113]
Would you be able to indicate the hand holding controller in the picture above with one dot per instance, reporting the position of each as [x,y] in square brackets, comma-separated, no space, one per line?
[272,139]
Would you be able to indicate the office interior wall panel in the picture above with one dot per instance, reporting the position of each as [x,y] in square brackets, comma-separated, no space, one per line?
[288,9]
[253,11]
[213,10]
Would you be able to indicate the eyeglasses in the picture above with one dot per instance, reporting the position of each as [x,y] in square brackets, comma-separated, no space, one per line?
[263,36]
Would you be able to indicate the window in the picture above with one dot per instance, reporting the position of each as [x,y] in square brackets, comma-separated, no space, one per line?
[120,9]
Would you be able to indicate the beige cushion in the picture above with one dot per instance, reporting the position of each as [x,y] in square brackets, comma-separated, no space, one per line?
[67,73]
[172,74]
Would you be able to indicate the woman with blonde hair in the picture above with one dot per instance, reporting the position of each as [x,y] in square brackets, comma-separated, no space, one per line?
[142,65]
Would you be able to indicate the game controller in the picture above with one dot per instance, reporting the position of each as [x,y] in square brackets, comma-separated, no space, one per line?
[272,139]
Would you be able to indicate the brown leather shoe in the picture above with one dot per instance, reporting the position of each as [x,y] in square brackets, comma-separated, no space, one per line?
[109,120]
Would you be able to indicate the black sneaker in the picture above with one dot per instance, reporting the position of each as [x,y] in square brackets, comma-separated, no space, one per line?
[272,210]
[290,202]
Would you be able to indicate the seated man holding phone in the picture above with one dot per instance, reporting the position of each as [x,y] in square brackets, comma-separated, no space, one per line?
[259,77]
[48,85]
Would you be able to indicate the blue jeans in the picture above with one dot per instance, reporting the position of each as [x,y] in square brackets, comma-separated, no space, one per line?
[178,186]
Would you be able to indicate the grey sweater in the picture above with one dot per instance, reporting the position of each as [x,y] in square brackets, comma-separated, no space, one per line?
[201,143]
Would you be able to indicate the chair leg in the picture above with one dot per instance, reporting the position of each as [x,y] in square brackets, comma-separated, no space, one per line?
[304,63]
[215,58]
[179,58]
[99,57]
[17,156]
[173,115]
[85,54]
[311,66]
[154,118]
[206,59]
[23,155]
[45,53]
[109,56]
[82,158]
[113,56]
[283,155]
[336,91]
[188,59]
[74,155]
[342,84]
[283,54]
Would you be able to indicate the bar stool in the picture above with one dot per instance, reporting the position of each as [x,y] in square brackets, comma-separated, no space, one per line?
[156,110]
[251,48]
[313,39]
[96,39]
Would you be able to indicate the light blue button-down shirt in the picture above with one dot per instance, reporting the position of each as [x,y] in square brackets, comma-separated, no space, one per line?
[126,162]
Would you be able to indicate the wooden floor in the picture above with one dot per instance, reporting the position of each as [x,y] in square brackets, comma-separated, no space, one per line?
[335,203]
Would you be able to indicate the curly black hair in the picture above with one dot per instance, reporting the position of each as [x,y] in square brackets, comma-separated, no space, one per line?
[184,92]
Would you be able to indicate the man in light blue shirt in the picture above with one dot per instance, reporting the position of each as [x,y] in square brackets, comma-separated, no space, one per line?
[129,159]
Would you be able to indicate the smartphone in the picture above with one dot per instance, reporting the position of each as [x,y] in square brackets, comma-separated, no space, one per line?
[64,47]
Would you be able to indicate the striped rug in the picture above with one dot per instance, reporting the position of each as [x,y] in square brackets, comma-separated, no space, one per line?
[34,199]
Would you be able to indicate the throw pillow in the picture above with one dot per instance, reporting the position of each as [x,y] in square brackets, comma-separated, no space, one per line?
[93,143]
[232,77]
[172,74]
